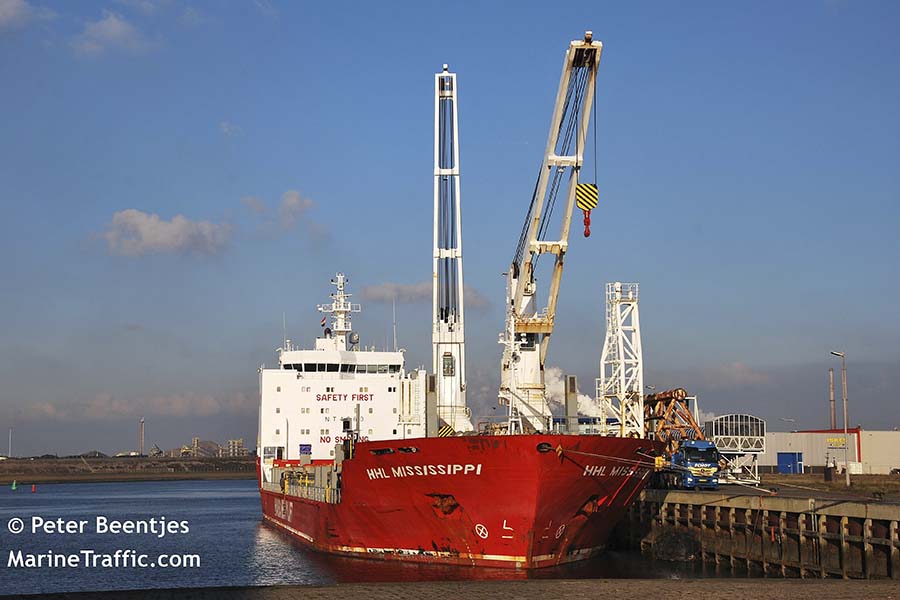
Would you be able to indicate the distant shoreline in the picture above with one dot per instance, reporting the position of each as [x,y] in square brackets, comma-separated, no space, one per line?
[99,470]
[27,480]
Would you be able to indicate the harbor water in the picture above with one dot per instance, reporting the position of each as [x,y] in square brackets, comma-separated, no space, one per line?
[219,522]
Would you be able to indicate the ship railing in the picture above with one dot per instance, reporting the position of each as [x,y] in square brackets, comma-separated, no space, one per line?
[271,487]
[316,493]
[302,484]
[309,492]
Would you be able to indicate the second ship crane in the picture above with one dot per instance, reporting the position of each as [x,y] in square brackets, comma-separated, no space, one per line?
[527,333]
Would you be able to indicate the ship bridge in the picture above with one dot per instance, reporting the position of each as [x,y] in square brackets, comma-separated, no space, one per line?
[308,363]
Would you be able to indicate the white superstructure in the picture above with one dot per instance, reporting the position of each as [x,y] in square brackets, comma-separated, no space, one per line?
[305,400]
[448,332]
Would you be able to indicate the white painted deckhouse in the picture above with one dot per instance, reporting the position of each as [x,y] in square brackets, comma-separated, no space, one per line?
[305,400]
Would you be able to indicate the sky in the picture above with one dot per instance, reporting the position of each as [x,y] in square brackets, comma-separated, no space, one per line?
[178,177]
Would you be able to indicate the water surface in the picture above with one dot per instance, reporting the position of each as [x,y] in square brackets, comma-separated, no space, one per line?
[226,531]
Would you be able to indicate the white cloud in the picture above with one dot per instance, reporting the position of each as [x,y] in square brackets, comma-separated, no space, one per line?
[111,32]
[15,14]
[736,373]
[555,388]
[136,233]
[191,17]
[404,293]
[291,211]
[475,299]
[704,416]
[266,8]
[229,129]
[108,406]
[418,293]
[254,204]
[293,207]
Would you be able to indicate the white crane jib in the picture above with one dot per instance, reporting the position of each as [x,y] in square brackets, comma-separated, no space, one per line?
[527,334]
[448,331]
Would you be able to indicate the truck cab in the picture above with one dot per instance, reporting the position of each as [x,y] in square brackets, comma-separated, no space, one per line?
[697,465]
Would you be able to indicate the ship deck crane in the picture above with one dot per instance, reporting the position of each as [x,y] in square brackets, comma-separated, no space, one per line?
[527,333]
[448,322]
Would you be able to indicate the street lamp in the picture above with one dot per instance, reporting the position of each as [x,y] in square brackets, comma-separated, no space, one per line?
[843,356]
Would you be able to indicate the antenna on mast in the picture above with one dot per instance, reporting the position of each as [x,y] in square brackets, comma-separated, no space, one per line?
[394,311]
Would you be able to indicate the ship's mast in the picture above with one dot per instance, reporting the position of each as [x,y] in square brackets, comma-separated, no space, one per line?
[527,335]
[448,330]
[340,309]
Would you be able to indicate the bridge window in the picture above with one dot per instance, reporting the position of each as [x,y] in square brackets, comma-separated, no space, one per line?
[332,367]
[320,367]
[395,368]
[288,367]
[309,367]
[382,368]
[345,368]
[371,368]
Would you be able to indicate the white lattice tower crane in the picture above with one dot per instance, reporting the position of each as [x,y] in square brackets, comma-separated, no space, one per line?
[527,334]
[448,331]
[620,387]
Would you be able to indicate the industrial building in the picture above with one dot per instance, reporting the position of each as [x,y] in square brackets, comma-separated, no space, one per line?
[868,452]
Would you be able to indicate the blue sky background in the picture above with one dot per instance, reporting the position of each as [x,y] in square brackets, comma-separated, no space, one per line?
[749,171]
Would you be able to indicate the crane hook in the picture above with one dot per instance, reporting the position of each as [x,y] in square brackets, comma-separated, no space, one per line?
[587,222]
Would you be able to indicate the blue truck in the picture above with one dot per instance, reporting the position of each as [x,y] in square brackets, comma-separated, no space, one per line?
[695,465]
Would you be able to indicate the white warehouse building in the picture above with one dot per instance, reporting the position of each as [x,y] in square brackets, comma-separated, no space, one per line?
[868,452]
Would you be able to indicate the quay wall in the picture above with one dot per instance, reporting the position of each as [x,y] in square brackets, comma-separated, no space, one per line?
[790,536]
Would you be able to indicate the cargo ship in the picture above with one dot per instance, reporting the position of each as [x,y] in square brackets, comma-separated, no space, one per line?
[349,464]
[360,456]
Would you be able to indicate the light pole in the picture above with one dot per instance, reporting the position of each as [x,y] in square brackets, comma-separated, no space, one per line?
[843,356]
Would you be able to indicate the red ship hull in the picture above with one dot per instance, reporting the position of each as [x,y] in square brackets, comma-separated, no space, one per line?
[494,501]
